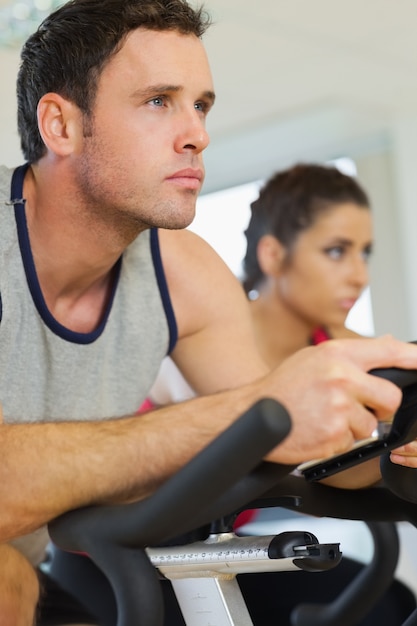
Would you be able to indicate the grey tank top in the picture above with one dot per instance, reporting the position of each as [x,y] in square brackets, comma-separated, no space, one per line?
[50,373]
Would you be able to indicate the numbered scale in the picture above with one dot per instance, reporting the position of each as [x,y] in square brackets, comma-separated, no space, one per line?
[203,573]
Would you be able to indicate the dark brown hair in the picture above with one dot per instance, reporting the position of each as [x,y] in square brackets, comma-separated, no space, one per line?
[68,52]
[290,202]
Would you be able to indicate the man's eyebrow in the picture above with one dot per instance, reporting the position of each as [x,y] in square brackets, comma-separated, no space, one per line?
[154,90]
[210,95]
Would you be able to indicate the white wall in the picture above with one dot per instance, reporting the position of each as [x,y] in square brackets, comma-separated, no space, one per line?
[390,300]
[10,153]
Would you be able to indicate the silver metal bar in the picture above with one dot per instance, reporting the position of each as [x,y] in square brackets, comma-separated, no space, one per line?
[211,602]
[226,554]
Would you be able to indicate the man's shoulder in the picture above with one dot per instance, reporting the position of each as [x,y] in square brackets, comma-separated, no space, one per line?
[5,177]
[185,244]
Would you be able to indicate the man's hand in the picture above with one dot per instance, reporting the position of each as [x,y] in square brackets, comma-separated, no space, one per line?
[19,588]
[332,399]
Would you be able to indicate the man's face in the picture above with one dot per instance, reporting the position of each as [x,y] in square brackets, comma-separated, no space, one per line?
[142,160]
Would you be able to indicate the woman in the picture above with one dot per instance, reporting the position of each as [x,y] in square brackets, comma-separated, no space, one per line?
[308,244]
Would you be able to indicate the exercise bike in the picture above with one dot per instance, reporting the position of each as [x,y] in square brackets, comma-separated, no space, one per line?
[125,541]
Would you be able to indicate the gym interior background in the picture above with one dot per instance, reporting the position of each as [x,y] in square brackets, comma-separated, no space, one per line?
[303,81]
[299,81]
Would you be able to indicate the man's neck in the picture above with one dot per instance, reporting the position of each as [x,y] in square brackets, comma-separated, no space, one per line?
[75,266]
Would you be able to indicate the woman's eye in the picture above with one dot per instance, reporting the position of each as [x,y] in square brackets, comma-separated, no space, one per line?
[367,253]
[335,253]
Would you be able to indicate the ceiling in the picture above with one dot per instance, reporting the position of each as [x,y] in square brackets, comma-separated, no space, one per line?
[278,60]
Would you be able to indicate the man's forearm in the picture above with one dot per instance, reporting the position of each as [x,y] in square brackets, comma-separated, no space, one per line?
[49,468]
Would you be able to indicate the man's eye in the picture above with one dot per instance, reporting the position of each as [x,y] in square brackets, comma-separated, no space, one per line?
[202,106]
[158,101]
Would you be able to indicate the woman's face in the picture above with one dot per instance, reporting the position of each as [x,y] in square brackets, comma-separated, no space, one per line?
[327,268]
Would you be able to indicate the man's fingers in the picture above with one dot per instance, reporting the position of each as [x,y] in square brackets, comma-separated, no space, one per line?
[381,396]
[381,352]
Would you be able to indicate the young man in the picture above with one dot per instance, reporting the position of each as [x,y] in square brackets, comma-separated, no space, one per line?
[98,281]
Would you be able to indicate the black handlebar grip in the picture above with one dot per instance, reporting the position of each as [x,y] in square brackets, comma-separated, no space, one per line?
[401,377]
[402,430]
[401,480]
[172,509]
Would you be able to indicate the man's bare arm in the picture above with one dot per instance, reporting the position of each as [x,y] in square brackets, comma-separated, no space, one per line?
[49,468]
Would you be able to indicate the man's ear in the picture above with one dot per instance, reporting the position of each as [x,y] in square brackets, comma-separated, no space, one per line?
[60,123]
[271,254]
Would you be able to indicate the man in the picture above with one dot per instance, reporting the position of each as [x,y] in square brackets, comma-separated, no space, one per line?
[112,102]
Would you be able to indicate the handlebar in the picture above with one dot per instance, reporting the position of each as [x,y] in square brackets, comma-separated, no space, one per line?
[403,430]
[180,504]
[223,478]
[115,536]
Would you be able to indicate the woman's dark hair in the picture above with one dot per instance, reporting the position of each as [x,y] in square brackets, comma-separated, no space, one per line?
[289,203]
[68,52]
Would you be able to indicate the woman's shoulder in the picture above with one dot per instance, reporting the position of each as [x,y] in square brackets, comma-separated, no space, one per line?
[344,333]
[324,334]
